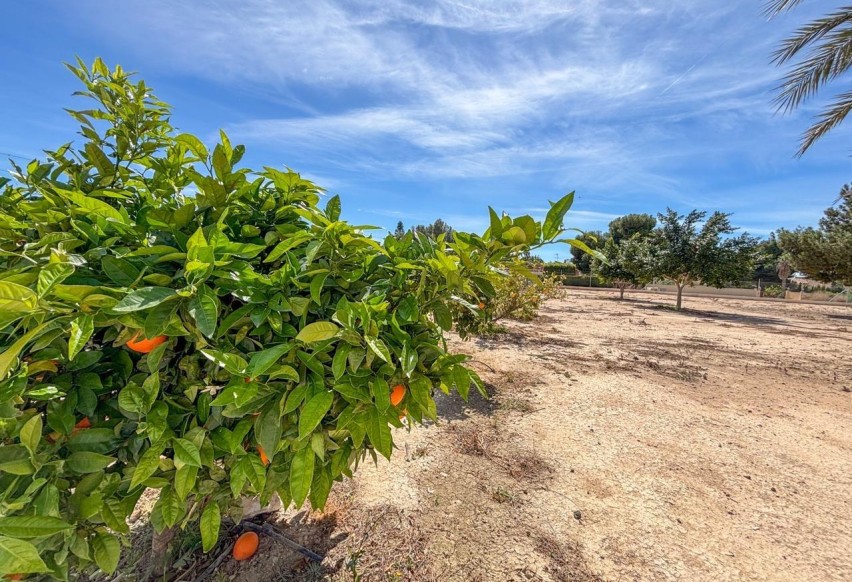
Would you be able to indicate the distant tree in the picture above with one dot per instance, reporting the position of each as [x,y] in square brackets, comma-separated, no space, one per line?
[595,240]
[436,229]
[826,48]
[685,251]
[623,266]
[824,254]
[400,230]
[767,256]
[625,227]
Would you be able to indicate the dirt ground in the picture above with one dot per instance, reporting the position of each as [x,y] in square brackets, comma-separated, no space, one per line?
[623,441]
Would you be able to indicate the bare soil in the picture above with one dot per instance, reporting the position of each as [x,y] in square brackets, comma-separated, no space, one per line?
[622,441]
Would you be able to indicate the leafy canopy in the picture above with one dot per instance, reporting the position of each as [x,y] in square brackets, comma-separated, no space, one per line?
[280,331]
[824,254]
[688,249]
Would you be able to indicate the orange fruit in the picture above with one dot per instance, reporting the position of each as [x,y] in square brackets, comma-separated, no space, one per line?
[85,423]
[397,394]
[481,305]
[144,345]
[263,458]
[245,546]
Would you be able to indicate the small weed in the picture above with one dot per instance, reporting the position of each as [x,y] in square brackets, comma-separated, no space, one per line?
[517,404]
[502,495]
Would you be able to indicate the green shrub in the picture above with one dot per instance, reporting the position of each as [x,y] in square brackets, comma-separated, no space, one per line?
[282,331]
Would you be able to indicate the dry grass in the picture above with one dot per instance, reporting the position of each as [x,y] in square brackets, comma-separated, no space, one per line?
[566,559]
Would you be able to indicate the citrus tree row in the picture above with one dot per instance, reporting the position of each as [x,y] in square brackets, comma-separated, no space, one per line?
[170,320]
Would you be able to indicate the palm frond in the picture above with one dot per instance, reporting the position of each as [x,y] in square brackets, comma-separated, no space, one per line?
[827,120]
[831,58]
[775,7]
[811,32]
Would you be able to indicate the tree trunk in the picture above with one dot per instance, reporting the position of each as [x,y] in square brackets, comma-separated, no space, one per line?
[621,288]
[679,295]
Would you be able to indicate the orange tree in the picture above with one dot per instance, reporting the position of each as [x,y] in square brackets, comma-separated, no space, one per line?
[172,321]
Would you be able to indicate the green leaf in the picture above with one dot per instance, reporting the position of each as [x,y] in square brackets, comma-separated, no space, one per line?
[407,311]
[15,301]
[194,144]
[186,453]
[578,244]
[94,440]
[379,348]
[379,432]
[185,480]
[261,361]
[82,329]
[301,475]
[171,507]
[211,521]
[381,394]
[94,206]
[32,526]
[332,208]
[121,272]
[553,221]
[442,315]
[286,245]
[317,332]
[316,287]
[338,363]
[107,551]
[148,464]
[31,434]
[313,412]
[204,308]
[320,488]
[231,362]
[496,224]
[267,429]
[50,275]
[144,298]
[88,462]
[20,557]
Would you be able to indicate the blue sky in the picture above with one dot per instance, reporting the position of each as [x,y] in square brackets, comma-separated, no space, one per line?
[417,110]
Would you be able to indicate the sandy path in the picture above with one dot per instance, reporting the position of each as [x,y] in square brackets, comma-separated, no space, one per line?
[714,444]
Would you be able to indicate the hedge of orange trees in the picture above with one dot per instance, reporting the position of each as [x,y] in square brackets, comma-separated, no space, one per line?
[170,320]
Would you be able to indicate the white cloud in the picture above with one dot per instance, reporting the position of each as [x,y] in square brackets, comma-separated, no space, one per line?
[616,98]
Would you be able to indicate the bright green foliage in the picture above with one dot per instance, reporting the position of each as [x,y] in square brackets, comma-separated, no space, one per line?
[681,250]
[825,254]
[630,225]
[623,265]
[582,259]
[284,329]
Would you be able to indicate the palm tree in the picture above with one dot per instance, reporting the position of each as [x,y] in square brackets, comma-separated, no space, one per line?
[829,43]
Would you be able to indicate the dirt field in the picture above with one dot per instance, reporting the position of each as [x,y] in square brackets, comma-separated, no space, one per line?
[623,441]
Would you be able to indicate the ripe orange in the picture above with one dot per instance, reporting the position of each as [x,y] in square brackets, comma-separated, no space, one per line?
[85,423]
[481,305]
[263,458]
[245,546]
[144,345]
[397,394]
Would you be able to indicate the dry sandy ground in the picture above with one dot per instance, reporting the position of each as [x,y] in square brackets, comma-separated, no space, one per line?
[623,441]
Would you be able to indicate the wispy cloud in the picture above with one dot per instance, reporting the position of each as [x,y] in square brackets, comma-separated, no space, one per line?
[621,100]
